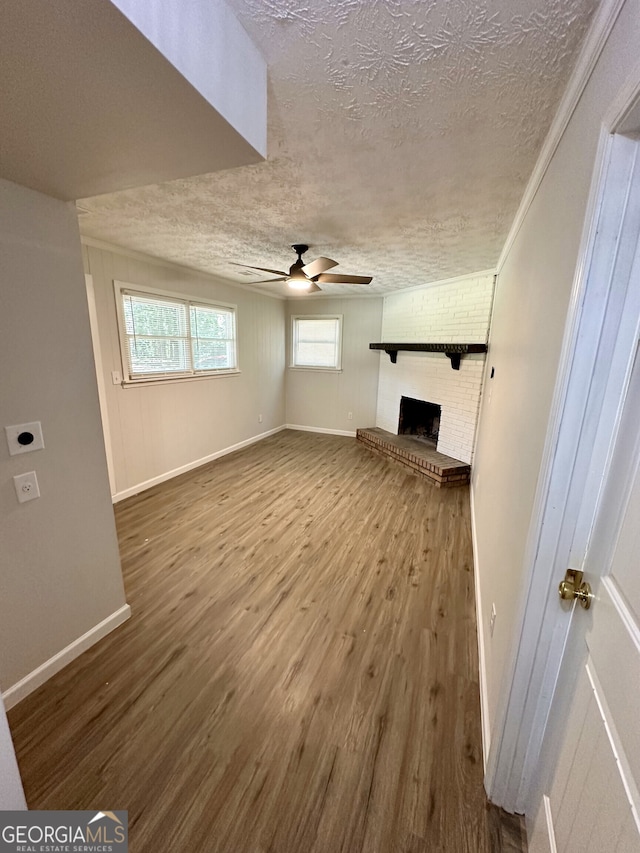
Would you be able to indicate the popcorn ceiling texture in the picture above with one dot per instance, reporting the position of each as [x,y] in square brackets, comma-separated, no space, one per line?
[401,136]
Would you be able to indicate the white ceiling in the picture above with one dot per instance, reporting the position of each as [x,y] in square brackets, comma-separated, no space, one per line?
[401,137]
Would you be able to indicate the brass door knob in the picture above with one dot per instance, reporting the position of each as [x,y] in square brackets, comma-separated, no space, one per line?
[574,587]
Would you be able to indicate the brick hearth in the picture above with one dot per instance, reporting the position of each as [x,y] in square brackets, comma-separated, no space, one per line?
[418,456]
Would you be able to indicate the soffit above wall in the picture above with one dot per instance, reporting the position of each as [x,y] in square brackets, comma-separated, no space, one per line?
[401,137]
[89,105]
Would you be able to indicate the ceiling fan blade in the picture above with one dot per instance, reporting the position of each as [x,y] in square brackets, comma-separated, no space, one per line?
[334,278]
[313,288]
[267,280]
[262,269]
[314,268]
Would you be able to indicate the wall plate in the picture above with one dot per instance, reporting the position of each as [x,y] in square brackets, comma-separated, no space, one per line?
[23,438]
[26,486]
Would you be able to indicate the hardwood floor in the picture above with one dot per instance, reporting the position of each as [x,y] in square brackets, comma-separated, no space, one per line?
[300,671]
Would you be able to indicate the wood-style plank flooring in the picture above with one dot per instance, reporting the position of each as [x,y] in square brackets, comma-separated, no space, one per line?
[299,674]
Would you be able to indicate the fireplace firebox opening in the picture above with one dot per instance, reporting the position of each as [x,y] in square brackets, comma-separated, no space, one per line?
[419,418]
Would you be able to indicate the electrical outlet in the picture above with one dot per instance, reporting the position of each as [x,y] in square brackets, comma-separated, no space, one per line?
[349,416]
[492,620]
[116,377]
[26,486]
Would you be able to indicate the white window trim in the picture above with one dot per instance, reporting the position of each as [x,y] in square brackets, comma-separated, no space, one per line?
[319,369]
[122,287]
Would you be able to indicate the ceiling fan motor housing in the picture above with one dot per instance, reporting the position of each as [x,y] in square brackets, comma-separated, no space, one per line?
[299,249]
[308,276]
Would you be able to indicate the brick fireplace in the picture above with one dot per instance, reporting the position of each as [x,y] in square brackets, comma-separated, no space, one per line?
[419,456]
[419,418]
[452,311]
[430,378]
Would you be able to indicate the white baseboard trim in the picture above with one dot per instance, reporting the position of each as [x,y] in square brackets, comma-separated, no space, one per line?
[349,433]
[30,682]
[175,472]
[484,693]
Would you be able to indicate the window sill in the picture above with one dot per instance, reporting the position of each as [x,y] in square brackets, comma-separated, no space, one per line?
[316,369]
[171,380]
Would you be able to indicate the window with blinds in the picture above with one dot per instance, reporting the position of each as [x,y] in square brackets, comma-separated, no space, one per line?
[317,342]
[164,337]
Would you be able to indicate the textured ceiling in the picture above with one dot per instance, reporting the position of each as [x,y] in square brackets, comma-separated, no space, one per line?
[401,137]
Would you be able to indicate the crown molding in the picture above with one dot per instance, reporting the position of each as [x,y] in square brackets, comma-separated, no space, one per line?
[443,281]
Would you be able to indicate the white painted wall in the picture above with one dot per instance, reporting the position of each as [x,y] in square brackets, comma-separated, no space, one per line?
[454,311]
[531,302]
[324,399]
[59,564]
[158,430]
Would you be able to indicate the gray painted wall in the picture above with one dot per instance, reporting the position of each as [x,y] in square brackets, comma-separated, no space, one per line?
[59,563]
[530,312]
[158,429]
[324,399]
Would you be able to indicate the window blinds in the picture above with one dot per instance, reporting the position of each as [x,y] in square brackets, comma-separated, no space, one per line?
[172,337]
[316,342]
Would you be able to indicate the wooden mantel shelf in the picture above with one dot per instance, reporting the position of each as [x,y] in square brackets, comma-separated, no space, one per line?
[454,352]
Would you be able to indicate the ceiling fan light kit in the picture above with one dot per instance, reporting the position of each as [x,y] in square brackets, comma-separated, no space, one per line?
[307,277]
[299,283]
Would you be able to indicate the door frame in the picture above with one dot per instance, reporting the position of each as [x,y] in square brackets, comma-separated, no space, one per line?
[596,358]
[11,791]
[102,392]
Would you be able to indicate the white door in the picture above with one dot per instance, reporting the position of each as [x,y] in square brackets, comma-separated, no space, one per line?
[592,802]
[11,793]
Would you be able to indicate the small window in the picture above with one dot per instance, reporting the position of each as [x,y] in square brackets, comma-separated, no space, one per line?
[317,342]
[167,337]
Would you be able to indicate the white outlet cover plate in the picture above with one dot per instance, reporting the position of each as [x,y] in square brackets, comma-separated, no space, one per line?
[12,432]
[26,486]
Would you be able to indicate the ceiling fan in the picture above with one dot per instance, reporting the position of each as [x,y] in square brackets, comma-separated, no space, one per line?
[307,277]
